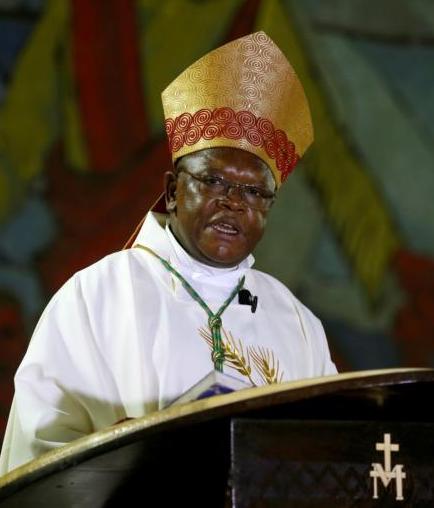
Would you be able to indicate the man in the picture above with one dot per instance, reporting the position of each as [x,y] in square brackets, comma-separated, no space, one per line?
[131,333]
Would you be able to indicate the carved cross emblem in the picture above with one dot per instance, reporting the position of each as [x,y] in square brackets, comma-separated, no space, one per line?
[386,474]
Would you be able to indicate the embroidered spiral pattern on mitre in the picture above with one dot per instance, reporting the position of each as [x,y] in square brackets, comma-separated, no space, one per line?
[245,95]
[187,130]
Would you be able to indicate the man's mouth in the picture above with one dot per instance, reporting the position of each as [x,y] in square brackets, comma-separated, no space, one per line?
[225,228]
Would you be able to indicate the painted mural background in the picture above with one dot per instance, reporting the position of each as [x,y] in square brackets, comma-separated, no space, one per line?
[82,151]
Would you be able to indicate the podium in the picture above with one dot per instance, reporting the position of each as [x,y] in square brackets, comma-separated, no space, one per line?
[362,439]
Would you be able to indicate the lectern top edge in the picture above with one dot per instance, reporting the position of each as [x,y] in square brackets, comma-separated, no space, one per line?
[202,410]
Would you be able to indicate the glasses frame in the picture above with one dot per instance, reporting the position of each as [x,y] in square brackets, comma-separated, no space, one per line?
[228,186]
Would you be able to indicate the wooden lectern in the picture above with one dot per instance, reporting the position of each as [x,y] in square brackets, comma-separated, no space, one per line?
[364,439]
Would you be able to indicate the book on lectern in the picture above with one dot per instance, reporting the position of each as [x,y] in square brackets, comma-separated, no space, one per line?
[214,383]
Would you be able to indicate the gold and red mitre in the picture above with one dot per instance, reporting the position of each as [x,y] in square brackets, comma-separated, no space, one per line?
[245,95]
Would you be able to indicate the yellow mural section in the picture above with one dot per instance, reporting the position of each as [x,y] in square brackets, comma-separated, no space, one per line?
[354,207]
[29,118]
[173,36]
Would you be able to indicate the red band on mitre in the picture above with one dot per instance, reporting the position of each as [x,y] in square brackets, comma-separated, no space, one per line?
[187,129]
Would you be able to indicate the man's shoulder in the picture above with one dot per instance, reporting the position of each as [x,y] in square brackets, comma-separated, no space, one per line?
[114,264]
[109,272]
[114,260]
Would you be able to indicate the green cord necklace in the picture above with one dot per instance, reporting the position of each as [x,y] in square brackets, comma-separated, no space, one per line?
[214,320]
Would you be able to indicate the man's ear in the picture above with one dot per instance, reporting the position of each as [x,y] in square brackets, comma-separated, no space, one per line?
[170,182]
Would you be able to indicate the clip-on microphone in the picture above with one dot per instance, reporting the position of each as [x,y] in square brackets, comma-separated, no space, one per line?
[245,298]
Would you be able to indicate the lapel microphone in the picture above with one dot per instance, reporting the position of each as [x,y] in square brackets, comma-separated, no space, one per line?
[245,298]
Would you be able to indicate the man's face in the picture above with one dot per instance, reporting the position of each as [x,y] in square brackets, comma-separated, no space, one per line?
[217,230]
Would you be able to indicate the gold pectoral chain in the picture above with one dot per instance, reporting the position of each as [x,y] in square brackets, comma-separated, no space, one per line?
[239,358]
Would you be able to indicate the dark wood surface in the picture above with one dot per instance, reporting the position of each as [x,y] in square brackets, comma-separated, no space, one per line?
[182,455]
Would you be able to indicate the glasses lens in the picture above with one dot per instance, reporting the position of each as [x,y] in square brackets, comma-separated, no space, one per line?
[253,201]
[213,185]
[256,198]
[217,186]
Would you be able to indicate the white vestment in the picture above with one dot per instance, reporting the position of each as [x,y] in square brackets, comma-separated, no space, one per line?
[122,338]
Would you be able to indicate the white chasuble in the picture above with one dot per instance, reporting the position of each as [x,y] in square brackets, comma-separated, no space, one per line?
[123,338]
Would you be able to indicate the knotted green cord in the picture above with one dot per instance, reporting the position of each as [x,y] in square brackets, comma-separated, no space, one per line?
[214,320]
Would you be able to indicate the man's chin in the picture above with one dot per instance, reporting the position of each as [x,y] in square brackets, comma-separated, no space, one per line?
[221,258]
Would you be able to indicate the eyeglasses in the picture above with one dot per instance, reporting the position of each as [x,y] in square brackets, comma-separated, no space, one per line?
[216,186]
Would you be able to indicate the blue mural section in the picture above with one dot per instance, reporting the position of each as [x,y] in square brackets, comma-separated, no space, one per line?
[26,234]
[30,227]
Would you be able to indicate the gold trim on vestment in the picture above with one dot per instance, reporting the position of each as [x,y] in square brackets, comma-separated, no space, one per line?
[265,368]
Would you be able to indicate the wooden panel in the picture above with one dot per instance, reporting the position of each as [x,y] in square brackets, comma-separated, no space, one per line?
[311,464]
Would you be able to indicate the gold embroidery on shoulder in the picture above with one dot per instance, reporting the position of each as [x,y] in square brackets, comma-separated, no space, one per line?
[265,364]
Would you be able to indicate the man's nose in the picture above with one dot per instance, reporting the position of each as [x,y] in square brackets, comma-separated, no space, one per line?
[234,198]
[235,190]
